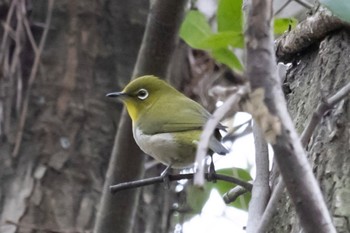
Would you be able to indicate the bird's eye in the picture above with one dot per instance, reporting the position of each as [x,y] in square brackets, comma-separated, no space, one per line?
[142,94]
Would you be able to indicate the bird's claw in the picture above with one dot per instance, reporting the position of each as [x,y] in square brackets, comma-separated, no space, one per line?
[212,172]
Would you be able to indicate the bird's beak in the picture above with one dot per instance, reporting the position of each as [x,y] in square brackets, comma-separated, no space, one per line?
[117,94]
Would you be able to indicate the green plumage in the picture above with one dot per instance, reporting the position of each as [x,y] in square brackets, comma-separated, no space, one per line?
[161,110]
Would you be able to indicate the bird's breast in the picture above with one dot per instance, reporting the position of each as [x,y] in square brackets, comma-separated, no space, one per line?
[167,148]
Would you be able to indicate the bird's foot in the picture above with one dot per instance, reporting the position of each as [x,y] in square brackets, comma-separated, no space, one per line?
[212,172]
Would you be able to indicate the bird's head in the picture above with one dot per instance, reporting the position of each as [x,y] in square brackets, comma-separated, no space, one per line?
[141,93]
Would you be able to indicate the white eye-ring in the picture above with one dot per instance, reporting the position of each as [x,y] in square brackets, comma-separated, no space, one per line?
[142,94]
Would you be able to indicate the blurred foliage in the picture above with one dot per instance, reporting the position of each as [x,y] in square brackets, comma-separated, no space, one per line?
[223,186]
[197,197]
[283,25]
[197,32]
[340,8]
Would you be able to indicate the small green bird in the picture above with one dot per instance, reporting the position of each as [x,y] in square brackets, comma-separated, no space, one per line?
[166,124]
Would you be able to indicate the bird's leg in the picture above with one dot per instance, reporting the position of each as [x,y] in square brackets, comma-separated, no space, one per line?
[165,176]
[212,171]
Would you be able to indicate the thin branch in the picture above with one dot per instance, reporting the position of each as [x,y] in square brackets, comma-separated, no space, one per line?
[30,35]
[304,4]
[321,109]
[7,26]
[209,128]
[261,187]
[233,194]
[160,179]
[282,7]
[19,36]
[339,95]
[271,207]
[32,77]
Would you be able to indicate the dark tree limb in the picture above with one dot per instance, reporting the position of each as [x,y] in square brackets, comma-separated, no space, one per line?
[289,153]
[311,30]
[189,176]
[117,212]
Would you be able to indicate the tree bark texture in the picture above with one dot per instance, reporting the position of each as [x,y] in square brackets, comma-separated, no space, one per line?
[55,181]
[319,73]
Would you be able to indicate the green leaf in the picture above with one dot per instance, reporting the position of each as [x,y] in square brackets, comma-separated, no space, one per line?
[282,25]
[229,15]
[197,197]
[195,28]
[340,8]
[223,187]
[222,40]
[228,58]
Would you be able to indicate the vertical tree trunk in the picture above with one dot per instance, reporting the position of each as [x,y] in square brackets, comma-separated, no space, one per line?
[117,212]
[322,71]
[56,179]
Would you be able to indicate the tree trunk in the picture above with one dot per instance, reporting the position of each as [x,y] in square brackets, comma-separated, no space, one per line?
[117,212]
[55,180]
[319,73]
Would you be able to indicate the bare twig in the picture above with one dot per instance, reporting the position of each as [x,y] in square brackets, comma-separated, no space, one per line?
[339,95]
[271,207]
[282,7]
[19,36]
[321,109]
[233,194]
[160,179]
[300,2]
[261,188]
[304,4]
[209,129]
[288,150]
[7,26]
[306,33]
[32,77]
[30,35]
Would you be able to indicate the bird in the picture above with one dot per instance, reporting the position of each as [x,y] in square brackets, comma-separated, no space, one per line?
[166,124]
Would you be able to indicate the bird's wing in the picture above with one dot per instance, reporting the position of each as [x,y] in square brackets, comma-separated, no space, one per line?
[189,115]
[186,119]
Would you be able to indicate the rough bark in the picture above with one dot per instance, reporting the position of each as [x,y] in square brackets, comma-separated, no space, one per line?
[289,153]
[55,182]
[318,74]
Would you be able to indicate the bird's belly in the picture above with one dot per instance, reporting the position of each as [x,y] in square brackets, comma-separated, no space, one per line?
[167,148]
